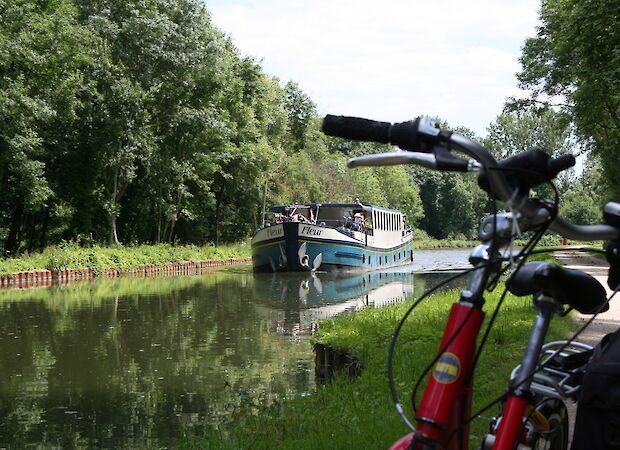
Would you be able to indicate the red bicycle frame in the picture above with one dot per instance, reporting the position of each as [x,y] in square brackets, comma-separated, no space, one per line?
[447,398]
[445,407]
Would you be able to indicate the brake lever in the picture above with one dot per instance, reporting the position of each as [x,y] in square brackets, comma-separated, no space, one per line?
[394,159]
[440,159]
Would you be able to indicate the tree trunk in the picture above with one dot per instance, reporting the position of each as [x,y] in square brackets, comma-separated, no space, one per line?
[159,208]
[43,238]
[174,221]
[31,231]
[12,239]
[171,234]
[113,234]
[218,210]
[618,181]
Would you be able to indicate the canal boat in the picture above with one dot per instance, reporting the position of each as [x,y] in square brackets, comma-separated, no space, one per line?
[331,236]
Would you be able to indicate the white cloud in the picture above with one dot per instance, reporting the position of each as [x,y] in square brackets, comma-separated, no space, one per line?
[389,60]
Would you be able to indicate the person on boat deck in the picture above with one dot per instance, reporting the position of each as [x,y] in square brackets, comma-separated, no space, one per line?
[358,220]
[299,218]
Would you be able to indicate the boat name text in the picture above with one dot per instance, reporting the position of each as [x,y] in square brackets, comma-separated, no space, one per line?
[274,232]
[309,231]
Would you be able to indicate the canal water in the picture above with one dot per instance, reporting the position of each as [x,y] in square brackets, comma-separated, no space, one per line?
[137,363]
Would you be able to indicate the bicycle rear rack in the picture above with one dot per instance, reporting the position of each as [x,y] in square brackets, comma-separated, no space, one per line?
[561,377]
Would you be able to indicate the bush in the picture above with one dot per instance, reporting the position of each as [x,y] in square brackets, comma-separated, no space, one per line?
[70,255]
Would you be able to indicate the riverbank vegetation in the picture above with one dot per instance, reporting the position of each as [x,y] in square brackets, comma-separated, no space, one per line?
[140,122]
[98,258]
[359,414]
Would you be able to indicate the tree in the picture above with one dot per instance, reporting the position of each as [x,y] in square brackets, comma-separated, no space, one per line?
[527,128]
[44,91]
[301,109]
[401,192]
[516,131]
[575,57]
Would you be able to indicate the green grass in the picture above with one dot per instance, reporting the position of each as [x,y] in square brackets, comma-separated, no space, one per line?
[429,243]
[70,255]
[421,241]
[360,414]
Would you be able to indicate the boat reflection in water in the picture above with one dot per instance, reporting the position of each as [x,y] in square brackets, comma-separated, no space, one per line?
[304,298]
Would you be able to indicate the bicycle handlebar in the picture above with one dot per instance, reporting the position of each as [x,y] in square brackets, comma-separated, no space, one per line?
[508,180]
[419,135]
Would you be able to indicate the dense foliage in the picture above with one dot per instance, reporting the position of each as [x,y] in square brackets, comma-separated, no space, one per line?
[574,61]
[140,122]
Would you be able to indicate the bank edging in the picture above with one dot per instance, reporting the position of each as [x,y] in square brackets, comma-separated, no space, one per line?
[47,277]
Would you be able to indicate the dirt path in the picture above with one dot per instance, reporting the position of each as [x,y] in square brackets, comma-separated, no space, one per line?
[597,267]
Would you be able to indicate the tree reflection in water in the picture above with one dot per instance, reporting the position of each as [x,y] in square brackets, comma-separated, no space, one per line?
[138,362]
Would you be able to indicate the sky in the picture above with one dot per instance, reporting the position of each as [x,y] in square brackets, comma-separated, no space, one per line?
[389,60]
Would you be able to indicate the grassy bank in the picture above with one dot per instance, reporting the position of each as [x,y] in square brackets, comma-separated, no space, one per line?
[100,258]
[359,414]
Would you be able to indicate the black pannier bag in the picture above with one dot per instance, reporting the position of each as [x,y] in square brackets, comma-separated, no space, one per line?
[597,425]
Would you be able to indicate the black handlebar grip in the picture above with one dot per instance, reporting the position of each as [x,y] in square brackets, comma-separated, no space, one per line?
[557,165]
[356,128]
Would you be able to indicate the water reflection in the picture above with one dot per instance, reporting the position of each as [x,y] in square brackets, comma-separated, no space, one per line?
[137,362]
[303,299]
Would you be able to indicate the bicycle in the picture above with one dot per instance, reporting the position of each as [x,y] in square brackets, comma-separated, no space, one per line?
[532,410]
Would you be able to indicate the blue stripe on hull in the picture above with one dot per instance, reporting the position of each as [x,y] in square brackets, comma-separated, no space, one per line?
[282,256]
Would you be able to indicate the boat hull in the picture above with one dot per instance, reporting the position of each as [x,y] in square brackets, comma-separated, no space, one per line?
[277,249]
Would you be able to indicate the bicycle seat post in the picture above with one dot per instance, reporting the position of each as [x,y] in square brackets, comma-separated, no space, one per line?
[546,307]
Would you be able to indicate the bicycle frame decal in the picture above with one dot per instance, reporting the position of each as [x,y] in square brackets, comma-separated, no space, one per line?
[447,368]
[444,405]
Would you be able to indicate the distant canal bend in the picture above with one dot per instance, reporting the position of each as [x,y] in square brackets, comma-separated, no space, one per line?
[134,363]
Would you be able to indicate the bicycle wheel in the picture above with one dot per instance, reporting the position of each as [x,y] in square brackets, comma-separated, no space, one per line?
[557,437]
